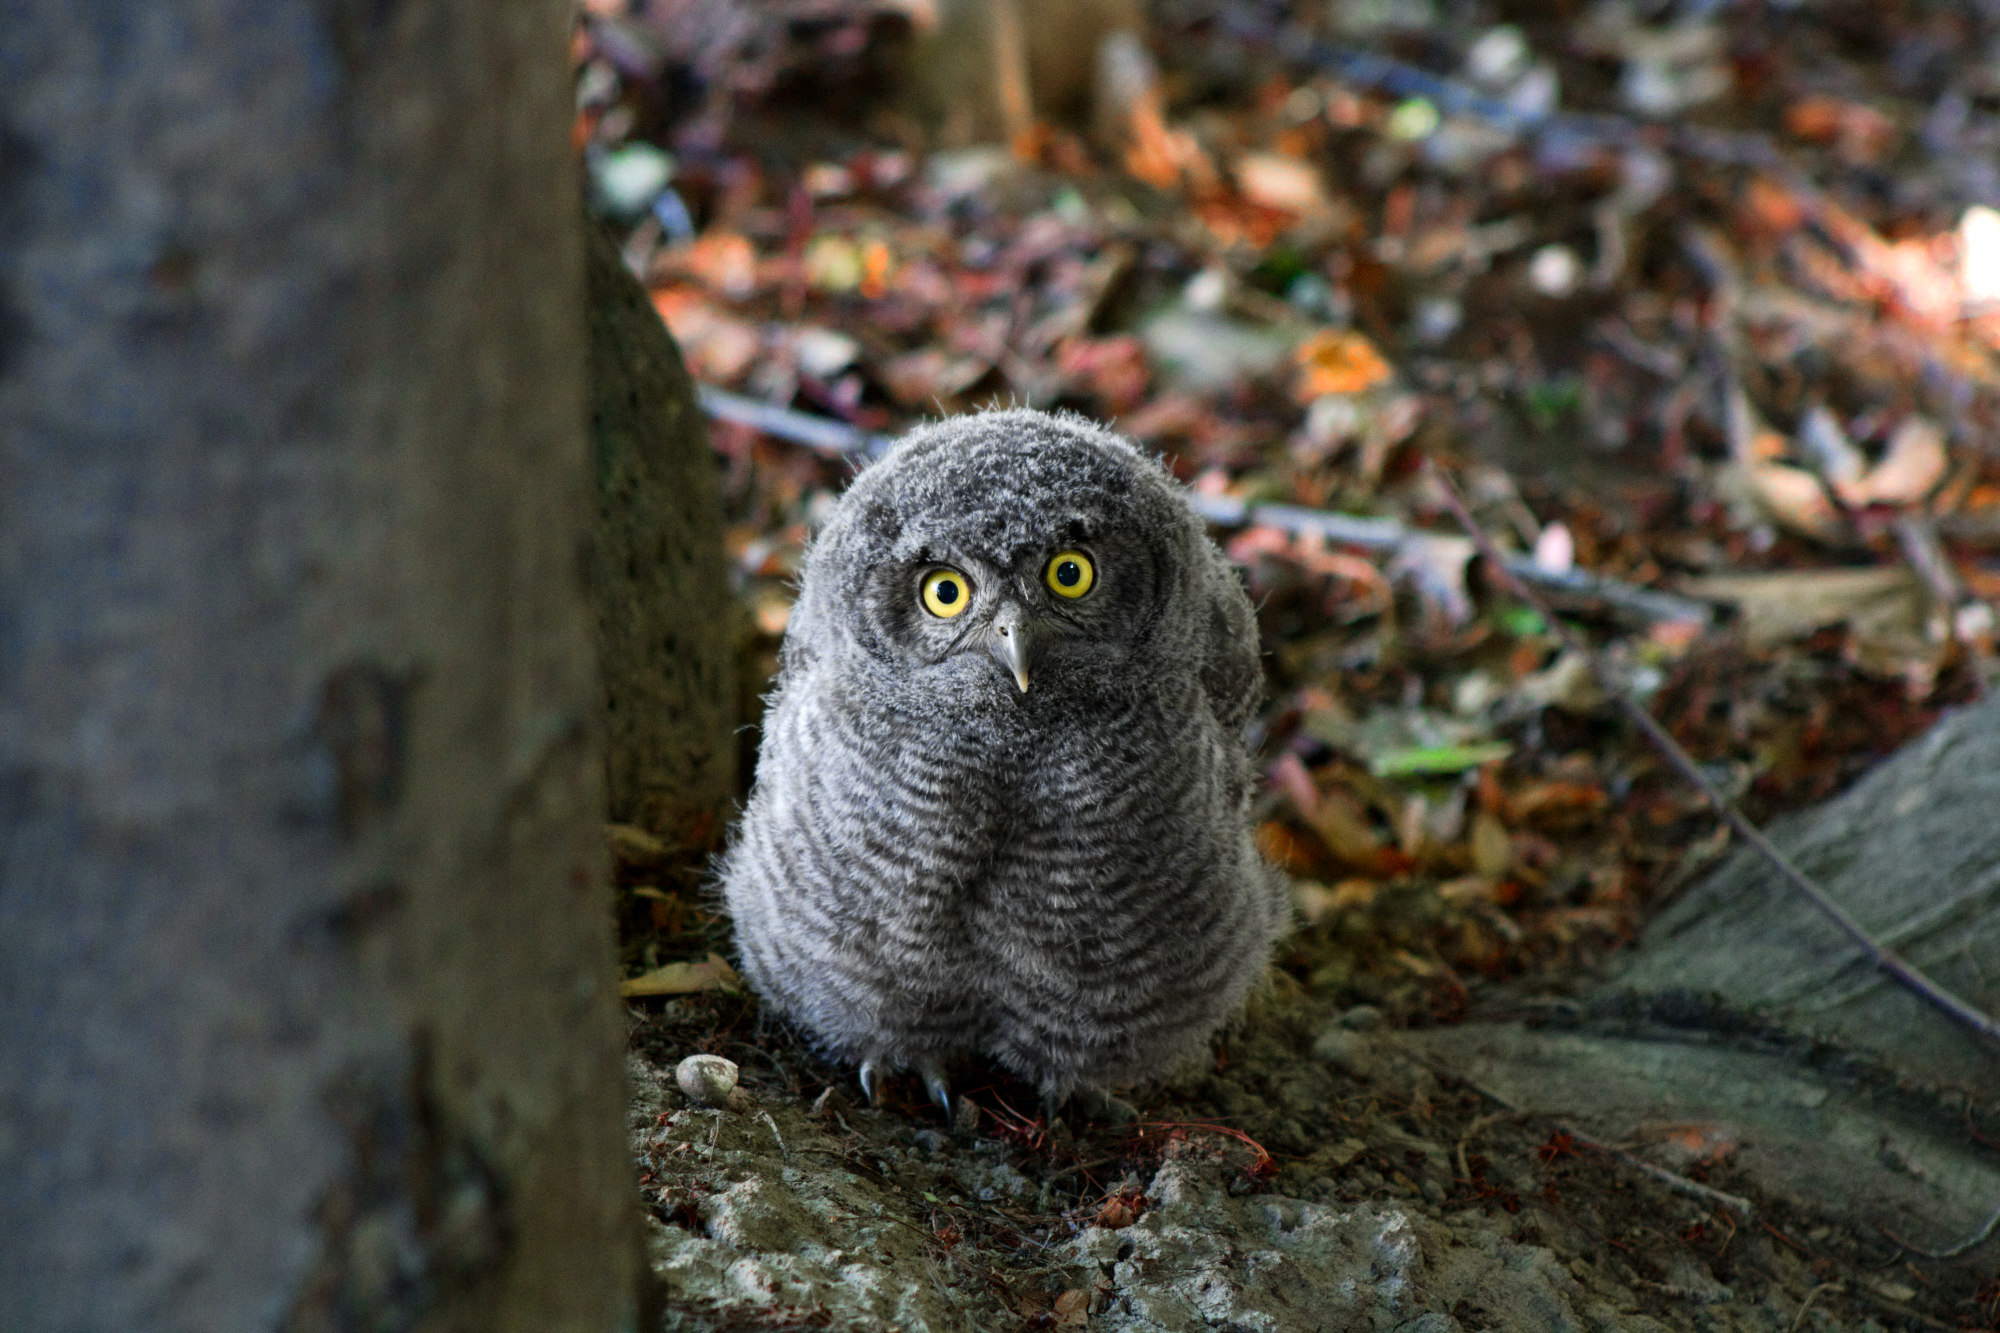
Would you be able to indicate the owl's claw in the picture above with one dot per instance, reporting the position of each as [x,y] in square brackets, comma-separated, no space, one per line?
[939,1090]
[871,1083]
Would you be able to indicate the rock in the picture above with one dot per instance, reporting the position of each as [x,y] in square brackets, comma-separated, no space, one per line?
[1349,1052]
[708,1080]
[1361,1018]
[1199,1258]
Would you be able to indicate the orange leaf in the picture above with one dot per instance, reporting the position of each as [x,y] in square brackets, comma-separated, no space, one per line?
[1338,361]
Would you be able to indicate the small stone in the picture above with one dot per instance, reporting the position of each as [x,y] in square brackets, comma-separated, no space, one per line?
[1498,57]
[1554,270]
[1979,254]
[628,179]
[1361,1018]
[706,1079]
[1349,1052]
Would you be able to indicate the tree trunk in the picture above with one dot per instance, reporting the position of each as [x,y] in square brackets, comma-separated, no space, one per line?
[657,578]
[307,1013]
[982,71]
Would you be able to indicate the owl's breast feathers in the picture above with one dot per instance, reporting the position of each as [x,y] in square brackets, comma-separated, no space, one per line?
[1079,901]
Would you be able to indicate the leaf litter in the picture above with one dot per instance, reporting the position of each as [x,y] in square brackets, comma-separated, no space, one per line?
[1698,299]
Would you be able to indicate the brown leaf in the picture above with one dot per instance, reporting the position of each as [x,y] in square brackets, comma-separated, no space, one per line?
[1073,1309]
[1492,848]
[1317,903]
[683,979]
[1116,1213]
[634,846]
[1557,803]
[1795,501]
[1776,608]
[1910,470]
[1344,826]
[1273,180]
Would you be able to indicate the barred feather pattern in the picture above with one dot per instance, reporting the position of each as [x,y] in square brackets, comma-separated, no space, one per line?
[935,865]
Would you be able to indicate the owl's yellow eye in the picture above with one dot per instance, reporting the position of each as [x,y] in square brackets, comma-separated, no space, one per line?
[946,593]
[1070,574]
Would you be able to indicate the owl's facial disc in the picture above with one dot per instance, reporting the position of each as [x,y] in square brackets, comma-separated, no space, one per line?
[1011,641]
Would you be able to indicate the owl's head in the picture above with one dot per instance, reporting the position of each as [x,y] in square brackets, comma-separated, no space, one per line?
[1000,554]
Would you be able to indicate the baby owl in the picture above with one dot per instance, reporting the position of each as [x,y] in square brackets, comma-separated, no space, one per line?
[1001,802]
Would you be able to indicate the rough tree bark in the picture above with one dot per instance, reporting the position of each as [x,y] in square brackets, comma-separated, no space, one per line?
[307,1013]
[986,70]
[658,582]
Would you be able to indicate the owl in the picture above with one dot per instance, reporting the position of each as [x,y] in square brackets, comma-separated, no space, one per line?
[1001,803]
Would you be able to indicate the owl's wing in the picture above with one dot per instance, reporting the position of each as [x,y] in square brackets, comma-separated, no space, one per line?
[1231,672]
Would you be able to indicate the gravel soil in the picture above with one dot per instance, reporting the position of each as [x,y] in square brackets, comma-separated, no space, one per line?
[1315,1176]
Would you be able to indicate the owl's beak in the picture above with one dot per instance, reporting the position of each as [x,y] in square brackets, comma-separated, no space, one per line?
[1008,641]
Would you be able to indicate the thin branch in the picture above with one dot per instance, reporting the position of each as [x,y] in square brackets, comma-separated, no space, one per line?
[1980,1024]
[1966,1246]
[838,439]
[1673,1180]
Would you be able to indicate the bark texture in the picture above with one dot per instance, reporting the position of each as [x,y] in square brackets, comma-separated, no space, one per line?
[658,581]
[307,1014]
[1912,852]
[986,70]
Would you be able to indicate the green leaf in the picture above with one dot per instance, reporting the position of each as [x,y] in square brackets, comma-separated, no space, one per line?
[1424,760]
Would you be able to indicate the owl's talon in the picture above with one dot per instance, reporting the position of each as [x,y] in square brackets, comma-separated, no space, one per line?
[939,1090]
[871,1085]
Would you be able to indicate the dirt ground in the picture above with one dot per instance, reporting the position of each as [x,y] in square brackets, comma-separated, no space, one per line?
[1316,1177]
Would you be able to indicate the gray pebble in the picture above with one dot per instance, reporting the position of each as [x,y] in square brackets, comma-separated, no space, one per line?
[1362,1018]
[707,1079]
[1349,1052]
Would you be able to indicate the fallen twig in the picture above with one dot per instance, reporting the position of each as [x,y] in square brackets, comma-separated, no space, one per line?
[783,1152]
[839,439]
[1890,962]
[1680,1184]
[1966,1246]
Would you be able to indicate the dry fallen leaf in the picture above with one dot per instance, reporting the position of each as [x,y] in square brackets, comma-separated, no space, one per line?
[683,979]
[1492,848]
[1272,180]
[1343,825]
[1914,464]
[1436,565]
[1115,1213]
[1338,361]
[718,346]
[1794,499]
[632,845]
[724,261]
[1776,608]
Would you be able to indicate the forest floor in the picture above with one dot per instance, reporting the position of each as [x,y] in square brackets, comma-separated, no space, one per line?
[1317,1177]
[1701,299]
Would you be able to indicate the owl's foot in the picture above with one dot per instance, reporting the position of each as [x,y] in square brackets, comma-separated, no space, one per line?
[871,1082]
